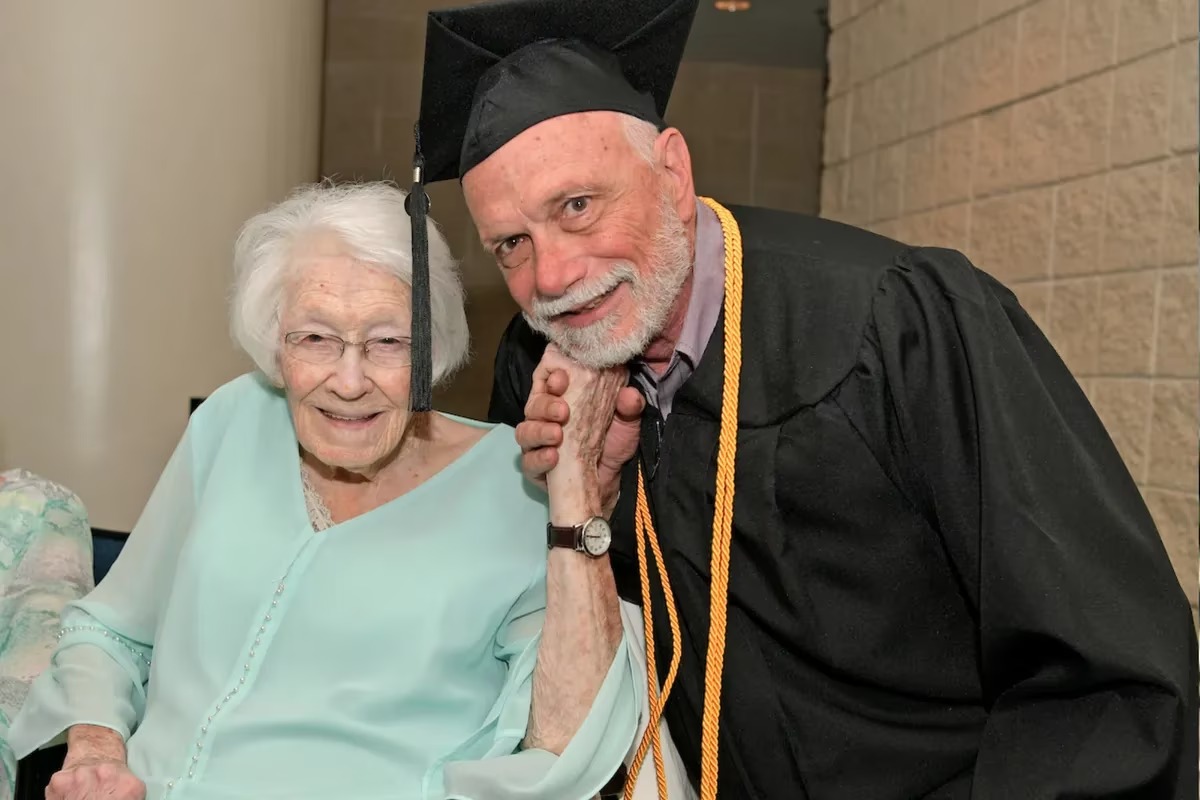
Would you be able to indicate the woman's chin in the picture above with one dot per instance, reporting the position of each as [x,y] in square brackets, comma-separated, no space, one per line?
[352,457]
[356,448]
[342,461]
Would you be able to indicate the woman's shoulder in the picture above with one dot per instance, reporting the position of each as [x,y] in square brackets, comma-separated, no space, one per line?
[246,394]
[475,431]
[235,416]
[484,446]
[491,464]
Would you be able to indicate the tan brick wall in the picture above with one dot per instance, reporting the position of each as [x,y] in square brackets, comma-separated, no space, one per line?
[754,135]
[1055,143]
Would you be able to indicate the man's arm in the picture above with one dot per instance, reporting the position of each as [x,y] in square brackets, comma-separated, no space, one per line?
[1087,649]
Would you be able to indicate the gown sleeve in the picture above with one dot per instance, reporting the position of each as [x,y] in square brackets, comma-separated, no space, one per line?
[517,355]
[99,670]
[1088,651]
[492,766]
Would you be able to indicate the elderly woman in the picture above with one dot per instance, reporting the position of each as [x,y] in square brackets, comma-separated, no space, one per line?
[329,595]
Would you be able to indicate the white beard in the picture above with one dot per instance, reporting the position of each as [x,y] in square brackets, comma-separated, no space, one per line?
[653,294]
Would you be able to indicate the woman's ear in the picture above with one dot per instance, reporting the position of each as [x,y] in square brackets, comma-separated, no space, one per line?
[276,380]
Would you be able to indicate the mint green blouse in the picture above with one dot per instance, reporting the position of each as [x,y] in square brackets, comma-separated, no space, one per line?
[242,655]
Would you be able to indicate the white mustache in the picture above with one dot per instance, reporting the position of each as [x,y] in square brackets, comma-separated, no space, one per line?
[582,295]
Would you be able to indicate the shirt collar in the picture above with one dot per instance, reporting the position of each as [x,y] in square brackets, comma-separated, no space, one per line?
[708,286]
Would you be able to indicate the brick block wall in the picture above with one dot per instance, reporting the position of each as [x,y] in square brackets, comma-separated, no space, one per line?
[754,135]
[1055,143]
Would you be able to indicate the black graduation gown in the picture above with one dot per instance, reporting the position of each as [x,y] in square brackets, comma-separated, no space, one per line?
[943,582]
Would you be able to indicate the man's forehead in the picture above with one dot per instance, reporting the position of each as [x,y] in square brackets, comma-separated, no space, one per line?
[583,139]
[550,158]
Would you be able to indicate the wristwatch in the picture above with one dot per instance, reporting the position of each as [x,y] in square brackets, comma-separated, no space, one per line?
[591,538]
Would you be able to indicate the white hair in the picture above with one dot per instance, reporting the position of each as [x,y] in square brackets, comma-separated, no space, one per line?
[642,136]
[370,221]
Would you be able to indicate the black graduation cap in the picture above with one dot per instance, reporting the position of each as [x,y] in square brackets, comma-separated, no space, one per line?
[496,69]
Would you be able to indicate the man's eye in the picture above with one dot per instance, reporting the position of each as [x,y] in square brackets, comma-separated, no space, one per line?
[508,245]
[577,205]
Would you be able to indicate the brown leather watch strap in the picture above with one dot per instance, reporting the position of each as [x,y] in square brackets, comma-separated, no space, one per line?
[562,536]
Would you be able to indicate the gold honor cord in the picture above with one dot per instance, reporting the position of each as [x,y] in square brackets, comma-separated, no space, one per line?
[721,538]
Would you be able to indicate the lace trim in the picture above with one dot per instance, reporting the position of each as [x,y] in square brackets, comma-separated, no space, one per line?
[318,513]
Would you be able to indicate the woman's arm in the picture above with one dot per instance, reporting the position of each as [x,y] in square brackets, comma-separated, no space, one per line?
[497,763]
[95,684]
[93,743]
[571,706]
[95,767]
[583,619]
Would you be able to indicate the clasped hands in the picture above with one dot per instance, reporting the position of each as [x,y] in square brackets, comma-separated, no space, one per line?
[581,426]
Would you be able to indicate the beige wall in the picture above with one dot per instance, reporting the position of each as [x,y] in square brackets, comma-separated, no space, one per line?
[136,137]
[1054,141]
[754,135]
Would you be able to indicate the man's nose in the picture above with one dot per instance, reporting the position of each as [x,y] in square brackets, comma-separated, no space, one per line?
[556,269]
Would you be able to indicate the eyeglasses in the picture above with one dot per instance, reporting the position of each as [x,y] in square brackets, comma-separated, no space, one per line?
[323,348]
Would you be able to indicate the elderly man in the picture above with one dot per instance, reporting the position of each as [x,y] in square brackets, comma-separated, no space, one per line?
[884,545]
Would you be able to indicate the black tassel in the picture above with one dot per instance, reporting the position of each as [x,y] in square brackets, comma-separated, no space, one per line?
[417,205]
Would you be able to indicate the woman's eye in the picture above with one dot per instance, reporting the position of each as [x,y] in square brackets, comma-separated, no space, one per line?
[393,344]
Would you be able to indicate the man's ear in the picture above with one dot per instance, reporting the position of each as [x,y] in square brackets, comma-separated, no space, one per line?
[671,152]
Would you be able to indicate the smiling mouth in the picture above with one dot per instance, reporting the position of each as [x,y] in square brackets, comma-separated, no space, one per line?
[589,306]
[350,420]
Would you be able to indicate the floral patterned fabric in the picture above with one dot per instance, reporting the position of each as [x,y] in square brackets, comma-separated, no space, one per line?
[45,562]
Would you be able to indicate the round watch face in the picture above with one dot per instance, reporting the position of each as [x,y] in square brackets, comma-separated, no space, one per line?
[596,537]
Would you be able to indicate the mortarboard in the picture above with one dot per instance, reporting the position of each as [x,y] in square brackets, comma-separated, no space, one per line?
[493,70]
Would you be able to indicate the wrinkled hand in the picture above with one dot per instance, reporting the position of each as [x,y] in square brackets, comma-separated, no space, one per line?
[95,779]
[589,417]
